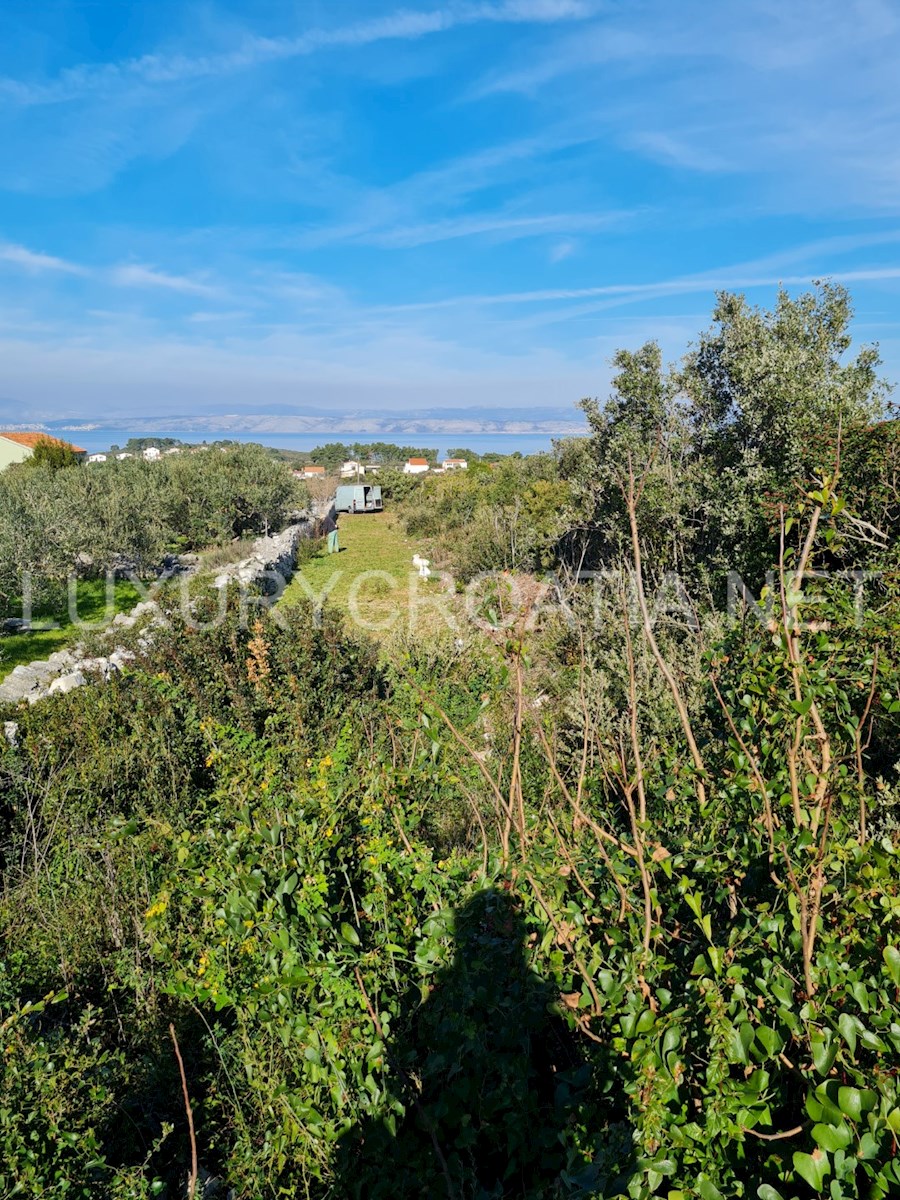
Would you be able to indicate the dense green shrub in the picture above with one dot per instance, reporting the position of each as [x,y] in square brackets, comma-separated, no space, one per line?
[506,517]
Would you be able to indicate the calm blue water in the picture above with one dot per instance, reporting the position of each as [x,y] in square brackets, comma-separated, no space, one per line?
[95,440]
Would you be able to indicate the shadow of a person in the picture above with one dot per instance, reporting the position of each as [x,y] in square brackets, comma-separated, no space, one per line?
[488,1077]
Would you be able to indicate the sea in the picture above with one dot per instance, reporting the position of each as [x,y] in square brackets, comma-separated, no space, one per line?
[97,439]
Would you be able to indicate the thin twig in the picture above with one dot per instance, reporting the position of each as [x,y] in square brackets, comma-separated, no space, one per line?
[631,502]
[192,1181]
[775,1137]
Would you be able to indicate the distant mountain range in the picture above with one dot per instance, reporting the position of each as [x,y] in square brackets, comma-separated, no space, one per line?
[460,421]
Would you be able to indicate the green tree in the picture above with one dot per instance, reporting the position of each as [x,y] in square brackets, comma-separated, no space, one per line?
[718,444]
[53,454]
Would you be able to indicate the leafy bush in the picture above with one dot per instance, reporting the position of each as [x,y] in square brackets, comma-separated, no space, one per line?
[509,517]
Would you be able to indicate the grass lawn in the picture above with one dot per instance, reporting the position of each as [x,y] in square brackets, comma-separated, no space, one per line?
[21,648]
[373,579]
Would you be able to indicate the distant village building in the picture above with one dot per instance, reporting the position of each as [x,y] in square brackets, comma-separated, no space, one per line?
[125,454]
[152,453]
[94,458]
[173,450]
[455,464]
[415,466]
[311,471]
[16,447]
[352,469]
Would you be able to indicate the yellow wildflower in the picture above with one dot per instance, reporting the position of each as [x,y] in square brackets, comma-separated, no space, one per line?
[158,907]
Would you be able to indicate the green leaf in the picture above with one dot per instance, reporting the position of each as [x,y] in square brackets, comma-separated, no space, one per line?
[694,902]
[849,1027]
[832,1137]
[771,1042]
[892,962]
[860,994]
[741,1040]
[671,1040]
[868,1147]
[823,1050]
[349,934]
[853,1102]
[829,1110]
[717,958]
[708,1190]
[812,1167]
[765,1191]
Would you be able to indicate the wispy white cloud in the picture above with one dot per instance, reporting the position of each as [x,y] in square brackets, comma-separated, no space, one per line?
[436,204]
[801,99]
[156,70]
[139,276]
[596,46]
[210,318]
[495,225]
[562,250]
[692,153]
[737,277]
[35,262]
[600,300]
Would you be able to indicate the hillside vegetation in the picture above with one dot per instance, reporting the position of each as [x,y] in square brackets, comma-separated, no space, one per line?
[90,519]
[75,540]
[598,896]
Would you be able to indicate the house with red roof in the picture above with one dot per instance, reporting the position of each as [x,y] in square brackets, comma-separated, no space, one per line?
[16,447]
[415,466]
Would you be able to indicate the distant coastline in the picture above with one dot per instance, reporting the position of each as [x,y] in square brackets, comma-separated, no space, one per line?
[305,432]
[97,438]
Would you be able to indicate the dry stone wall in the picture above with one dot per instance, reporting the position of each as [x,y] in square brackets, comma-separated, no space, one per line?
[270,566]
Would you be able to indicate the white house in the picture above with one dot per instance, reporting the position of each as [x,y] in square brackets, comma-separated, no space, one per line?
[310,471]
[352,469]
[152,453]
[455,464]
[96,458]
[415,466]
[173,450]
[125,454]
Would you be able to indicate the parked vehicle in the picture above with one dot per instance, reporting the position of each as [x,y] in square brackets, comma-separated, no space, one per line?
[358,498]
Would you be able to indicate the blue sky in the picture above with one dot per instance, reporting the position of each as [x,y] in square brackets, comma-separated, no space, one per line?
[300,204]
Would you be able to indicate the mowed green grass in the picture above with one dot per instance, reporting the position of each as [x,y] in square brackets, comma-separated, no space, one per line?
[373,580]
[22,648]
